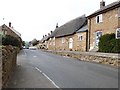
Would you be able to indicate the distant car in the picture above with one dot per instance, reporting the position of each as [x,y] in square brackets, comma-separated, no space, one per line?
[33,48]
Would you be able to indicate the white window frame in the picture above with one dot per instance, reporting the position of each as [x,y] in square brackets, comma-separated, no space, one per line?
[100,18]
[117,30]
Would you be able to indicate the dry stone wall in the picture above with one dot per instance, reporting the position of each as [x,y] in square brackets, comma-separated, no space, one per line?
[9,57]
[102,58]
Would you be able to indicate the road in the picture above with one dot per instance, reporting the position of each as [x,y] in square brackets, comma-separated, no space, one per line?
[65,72]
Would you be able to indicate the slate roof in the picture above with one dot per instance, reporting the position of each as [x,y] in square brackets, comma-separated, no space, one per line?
[71,27]
[83,29]
[106,8]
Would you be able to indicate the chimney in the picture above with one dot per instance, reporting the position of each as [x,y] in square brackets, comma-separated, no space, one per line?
[48,34]
[57,25]
[102,4]
[9,24]
[51,32]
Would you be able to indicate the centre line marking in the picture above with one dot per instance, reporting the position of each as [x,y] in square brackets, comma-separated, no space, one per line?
[47,77]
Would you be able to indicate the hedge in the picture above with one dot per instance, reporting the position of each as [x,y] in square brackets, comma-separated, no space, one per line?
[10,40]
[109,44]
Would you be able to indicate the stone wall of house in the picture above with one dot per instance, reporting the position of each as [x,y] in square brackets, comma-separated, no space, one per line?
[102,58]
[79,45]
[51,44]
[62,43]
[9,57]
[0,68]
[119,22]
[109,25]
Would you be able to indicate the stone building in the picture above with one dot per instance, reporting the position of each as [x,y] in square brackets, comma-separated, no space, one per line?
[106,20]
[70,36]
[9,30]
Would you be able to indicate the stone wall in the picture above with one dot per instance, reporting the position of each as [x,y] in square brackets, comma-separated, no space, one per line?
[102,58]
[9,56]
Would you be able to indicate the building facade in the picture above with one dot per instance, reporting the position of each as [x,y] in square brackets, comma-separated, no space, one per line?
[8,30]
[103,21]
[66,36]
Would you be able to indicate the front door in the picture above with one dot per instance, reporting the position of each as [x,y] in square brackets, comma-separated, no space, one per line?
[70,43]
[98,34]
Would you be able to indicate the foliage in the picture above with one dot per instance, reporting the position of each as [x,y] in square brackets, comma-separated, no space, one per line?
[23,43]
[109,44]
[10,40]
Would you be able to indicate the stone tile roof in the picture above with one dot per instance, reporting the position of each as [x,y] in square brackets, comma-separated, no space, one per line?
[105,8]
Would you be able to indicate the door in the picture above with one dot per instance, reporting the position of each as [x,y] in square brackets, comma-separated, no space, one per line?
[98,34]
[70,43]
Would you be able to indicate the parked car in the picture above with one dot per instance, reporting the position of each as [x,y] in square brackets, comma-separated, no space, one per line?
[33,48]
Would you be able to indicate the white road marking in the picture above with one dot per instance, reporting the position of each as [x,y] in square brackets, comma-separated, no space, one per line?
[34,56]
[47,77]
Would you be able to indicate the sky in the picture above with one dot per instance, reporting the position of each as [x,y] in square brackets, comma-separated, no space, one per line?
[35,18]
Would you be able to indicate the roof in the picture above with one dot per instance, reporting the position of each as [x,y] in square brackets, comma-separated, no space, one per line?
[83,29]
[16,32]
[45,38]
[71,27]
[106,8]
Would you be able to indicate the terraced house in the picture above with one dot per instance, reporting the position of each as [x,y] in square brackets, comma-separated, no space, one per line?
[106,20]
[70,36]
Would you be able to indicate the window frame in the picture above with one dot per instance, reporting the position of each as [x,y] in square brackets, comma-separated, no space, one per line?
[99,18]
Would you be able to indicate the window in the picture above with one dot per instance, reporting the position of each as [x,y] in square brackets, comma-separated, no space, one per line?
[99,18]
[63,40]
[80,37]
[5,32]
[118,33]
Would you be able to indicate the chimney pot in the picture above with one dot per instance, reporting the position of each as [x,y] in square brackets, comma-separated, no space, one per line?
[57,25]
[102,3]
[9,24]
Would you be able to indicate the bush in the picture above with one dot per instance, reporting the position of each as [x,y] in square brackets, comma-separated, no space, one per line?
[10,40]
[109,44]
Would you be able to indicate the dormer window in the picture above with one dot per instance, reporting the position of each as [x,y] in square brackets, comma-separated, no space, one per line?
[99,18]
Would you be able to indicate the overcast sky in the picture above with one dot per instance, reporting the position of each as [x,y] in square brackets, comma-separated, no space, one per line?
[35,18]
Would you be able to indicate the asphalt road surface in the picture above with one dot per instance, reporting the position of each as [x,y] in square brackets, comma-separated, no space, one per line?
[67,72]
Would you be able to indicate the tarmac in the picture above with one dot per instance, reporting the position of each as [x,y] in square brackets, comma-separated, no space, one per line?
[27,76]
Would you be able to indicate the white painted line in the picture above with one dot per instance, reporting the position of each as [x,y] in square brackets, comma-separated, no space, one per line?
[34,56]
[47,77]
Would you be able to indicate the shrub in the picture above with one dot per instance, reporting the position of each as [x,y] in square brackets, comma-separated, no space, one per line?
[10,40]
[109,44]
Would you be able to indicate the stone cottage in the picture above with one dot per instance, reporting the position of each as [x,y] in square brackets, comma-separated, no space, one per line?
[70,36]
